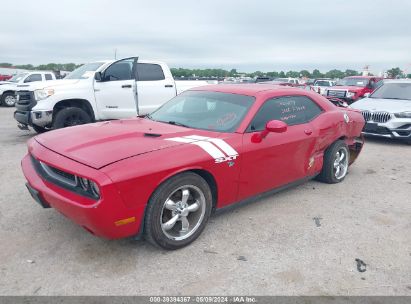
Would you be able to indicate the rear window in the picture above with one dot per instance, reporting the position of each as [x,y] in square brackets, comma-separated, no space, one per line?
[149,72]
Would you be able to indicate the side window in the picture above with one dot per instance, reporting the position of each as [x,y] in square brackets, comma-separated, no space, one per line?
[48,77]
[293,110]
[33,77]
[149,72]
[120,70]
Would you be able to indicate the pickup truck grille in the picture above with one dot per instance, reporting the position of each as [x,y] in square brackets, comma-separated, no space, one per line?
[335,93]
[25,100]
[381,117]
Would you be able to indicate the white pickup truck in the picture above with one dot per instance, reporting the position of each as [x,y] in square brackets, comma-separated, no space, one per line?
[8,88]
[96,91]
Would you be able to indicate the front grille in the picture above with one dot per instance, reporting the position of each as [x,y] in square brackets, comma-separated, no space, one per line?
[25,100]
[335,93]
[24,97]
[61,178]
[381,117]
[53,174]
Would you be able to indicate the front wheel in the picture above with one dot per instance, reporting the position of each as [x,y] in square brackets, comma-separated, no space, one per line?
[8,99]
[178,211]
[71,117]
[336,161]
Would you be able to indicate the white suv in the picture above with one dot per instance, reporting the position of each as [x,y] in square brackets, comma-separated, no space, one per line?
[387,111]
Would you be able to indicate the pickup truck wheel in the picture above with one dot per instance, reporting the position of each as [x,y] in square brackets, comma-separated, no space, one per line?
[70,117]
[8,99]
[39,129]
[336,161]
[178,211]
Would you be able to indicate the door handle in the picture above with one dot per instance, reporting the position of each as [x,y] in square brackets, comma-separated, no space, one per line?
[168,86]
[308,132]
[124,86]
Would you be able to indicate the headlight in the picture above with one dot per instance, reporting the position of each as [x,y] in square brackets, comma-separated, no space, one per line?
[84,183]
[88,186]
[403,115]
[350,94]
[95,189]
[43,94]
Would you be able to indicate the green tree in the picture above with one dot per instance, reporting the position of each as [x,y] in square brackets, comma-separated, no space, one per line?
[317,74]
[5,65]
[394,72]
[305,73]
[281,74]
[334,74]
[349,72]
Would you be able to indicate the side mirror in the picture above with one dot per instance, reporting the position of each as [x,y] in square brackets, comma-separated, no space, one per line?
[98,76]
[276,126]
[367,95]
[272,126]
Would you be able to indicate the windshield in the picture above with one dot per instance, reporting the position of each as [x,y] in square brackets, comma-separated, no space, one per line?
[393,91]
[85,71]
[18,77]
[356,82]
[281,79]
[322,83]
[213,111]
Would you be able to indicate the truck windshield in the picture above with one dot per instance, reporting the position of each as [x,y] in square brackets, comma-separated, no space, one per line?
[18,77]
[85,71]
[393,91]
[213,111]
[356,82]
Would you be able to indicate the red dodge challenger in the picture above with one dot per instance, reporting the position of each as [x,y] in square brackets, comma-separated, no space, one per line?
[161,176]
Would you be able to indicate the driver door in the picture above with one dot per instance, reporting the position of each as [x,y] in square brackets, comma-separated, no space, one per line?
[116,92]
[280,158]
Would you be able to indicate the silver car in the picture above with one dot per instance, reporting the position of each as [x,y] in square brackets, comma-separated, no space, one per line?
[387,111]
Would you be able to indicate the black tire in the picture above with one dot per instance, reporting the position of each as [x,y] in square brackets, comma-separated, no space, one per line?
[39,129]
[328,173]
[3,99]
[70,117]
[154,216]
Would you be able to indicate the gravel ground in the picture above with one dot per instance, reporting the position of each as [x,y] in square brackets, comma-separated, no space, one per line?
[302,241]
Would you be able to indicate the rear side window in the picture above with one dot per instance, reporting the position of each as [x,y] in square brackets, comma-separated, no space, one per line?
[33,77]
[293,110]
[149,72]
[48,77]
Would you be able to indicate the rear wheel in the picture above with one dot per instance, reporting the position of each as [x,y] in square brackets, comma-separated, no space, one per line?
[336,161]
[8,99]
[71,117]
[178,211]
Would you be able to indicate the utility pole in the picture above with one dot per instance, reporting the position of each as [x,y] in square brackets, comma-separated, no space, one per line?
[115,53]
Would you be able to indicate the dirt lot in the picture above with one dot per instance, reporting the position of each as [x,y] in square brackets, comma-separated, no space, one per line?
[302,241]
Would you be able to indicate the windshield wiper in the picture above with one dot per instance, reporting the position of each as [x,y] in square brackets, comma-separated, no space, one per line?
[171,122]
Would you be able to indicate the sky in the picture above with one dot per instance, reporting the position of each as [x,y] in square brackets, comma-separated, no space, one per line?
[245,35]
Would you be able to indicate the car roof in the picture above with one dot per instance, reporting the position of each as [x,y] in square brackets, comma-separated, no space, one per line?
[247,89]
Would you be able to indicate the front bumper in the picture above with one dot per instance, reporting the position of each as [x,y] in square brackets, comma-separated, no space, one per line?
[395,128]
[107,217]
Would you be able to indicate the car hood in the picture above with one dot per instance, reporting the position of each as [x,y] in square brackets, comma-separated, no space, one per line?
[384,105]
[51,83]
[5,82]
[343,88]
[100,144]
